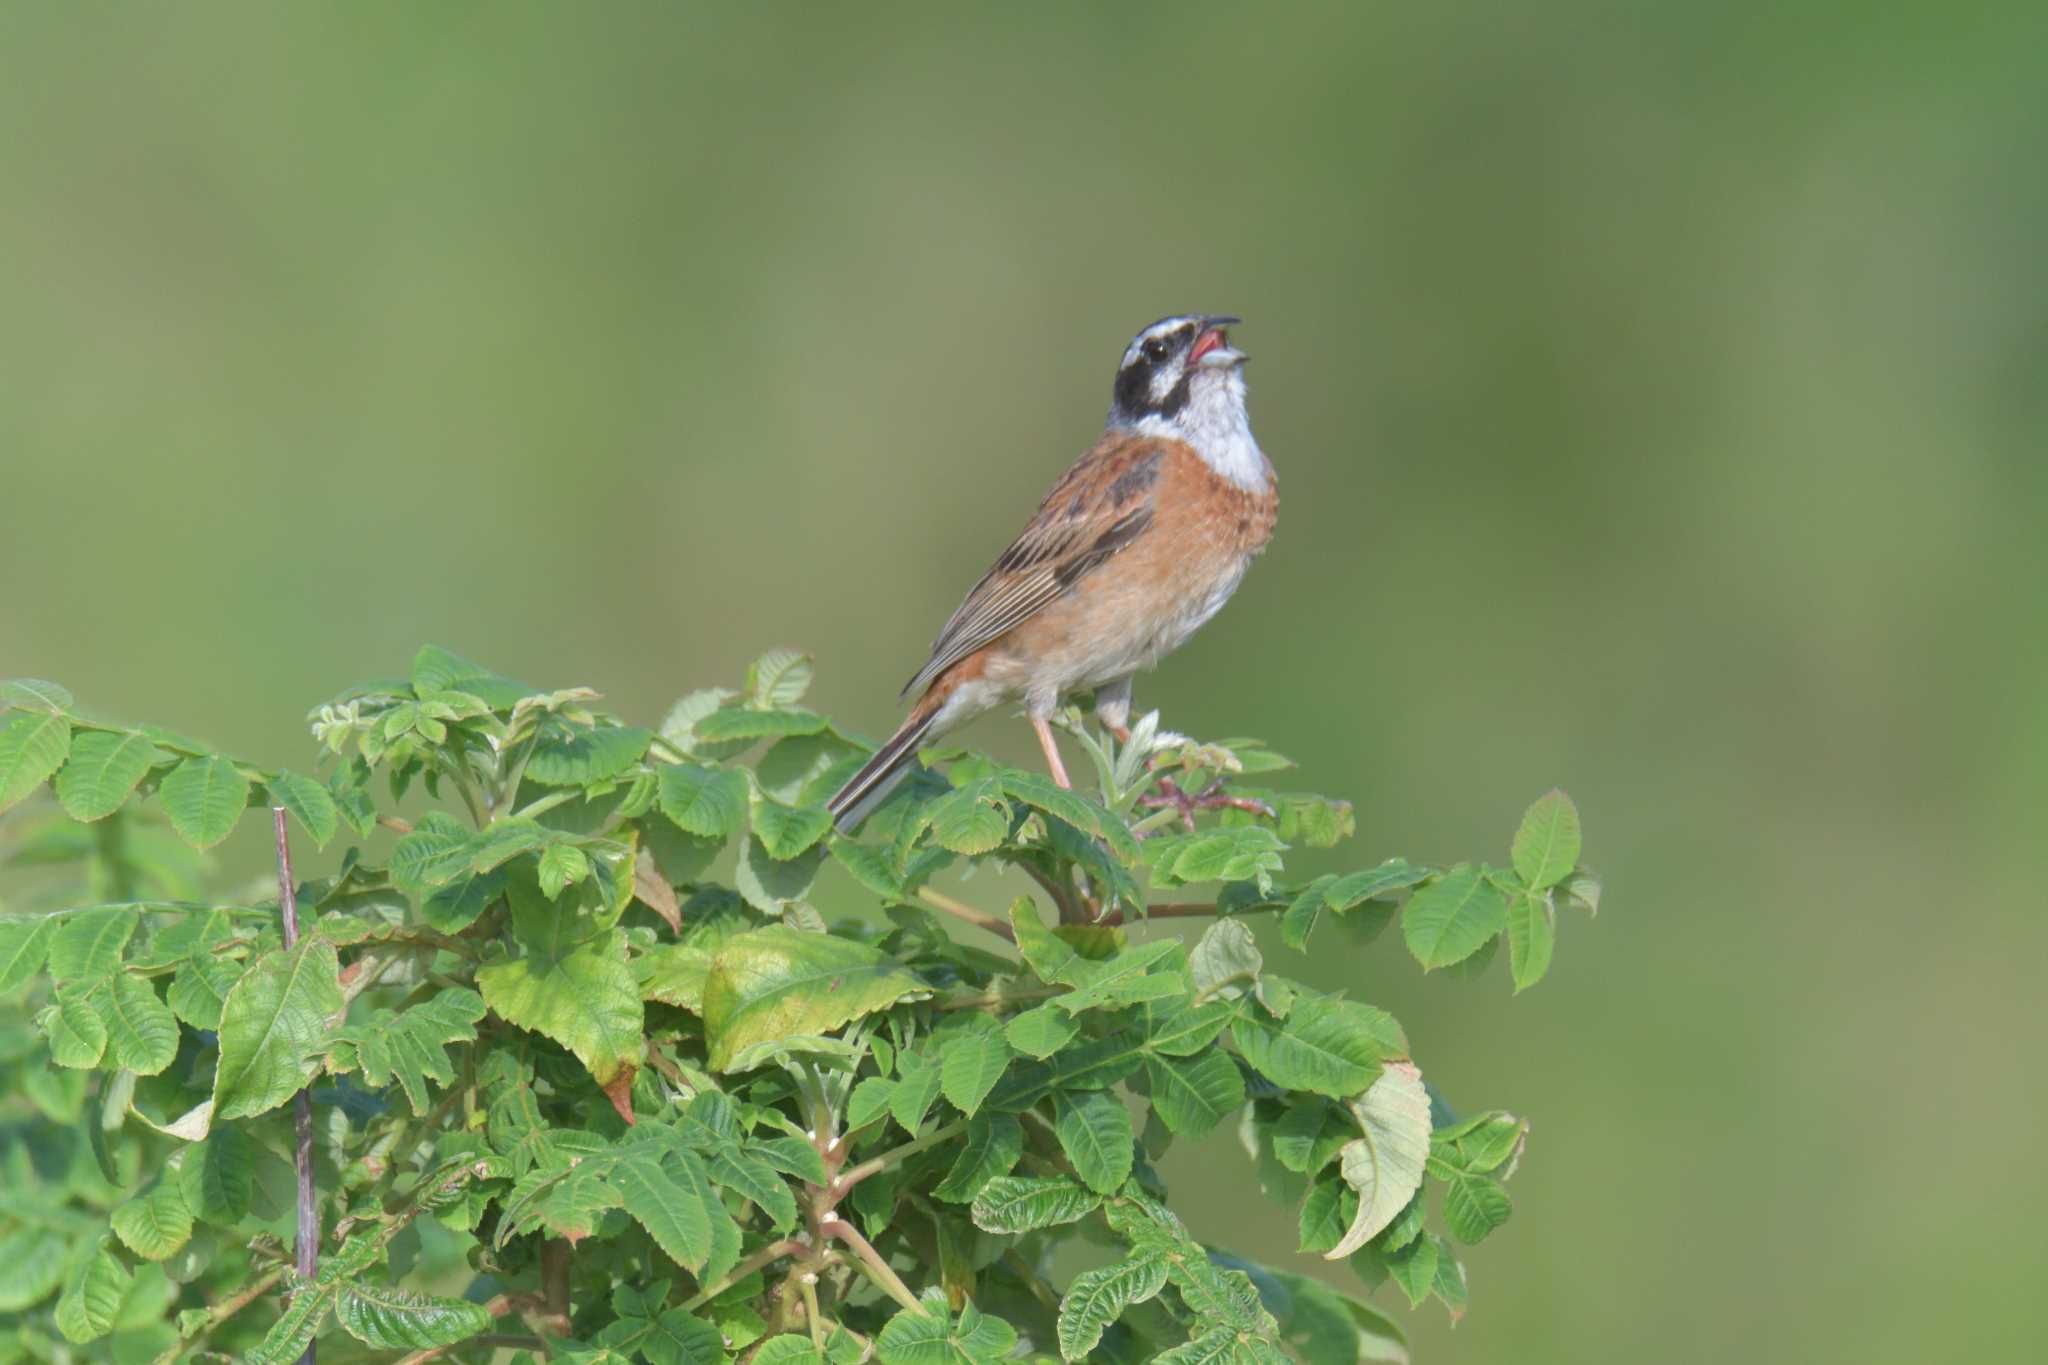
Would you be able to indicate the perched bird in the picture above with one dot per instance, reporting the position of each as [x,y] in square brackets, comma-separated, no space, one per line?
[1137,545]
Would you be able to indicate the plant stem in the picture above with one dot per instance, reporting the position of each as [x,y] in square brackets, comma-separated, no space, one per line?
[308,1240]
[871,1260]
[224,1310]
[774,1251]
[980,919]
[507,1341]
[894,1156]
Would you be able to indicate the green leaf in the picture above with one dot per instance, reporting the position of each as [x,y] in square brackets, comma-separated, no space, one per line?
[438,670]
[793,1156]
[24,945]
[1192,1095]
[733,722]
[390,1319]
[1099,1297]
[917,1085]
[581,994]
[1325,1213]
[1127,978]
[411,1046]
[1330,1046]
[1061,803]
[674,974]
[786,1349]
[33,744]
[1395,874]
[204,798]
[35,1267]
[218,1177]
[993,1144]
[771,886]
[785,831]
[672,1211]
[273,1028]
[1226,954]
[1546,847]
[1024,1203]
[1174,1028]
[1239,853]
[94,1290]
[34,694]
[453,907]
[155,1225]
[1304,912]
[677,1338]
[309,803]
[87,946]
[779,678]
[1041,1031]
[577,756]
[1453,918]
[294,1330]
[971,1061]
[971,820]
[757,1181]
[1474,1205]
[142,1034]
[433,854]
[103,768]
[930,1338]
[1094,1130]
[562,866]
[75,1026]
[1532,936]
[1218,1347]
[776,982]
[1414,1269]
[1385,1163]
[870,1100]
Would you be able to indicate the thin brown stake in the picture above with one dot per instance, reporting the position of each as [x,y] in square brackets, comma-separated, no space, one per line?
[308,1245]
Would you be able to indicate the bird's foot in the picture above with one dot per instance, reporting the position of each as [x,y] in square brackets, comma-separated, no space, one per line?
[1168,794]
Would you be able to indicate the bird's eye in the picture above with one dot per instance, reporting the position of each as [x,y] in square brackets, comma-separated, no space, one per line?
[1155,350]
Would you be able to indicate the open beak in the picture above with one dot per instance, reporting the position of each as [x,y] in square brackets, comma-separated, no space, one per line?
[1212,348]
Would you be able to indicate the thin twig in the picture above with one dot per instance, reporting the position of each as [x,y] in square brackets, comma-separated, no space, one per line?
[224,1310]
[871,1260]
[980,919]
[508,1341]
[774,1251]
[894,1157]
[308,1241]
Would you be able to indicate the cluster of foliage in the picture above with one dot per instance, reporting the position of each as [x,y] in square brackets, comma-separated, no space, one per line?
[592,1080]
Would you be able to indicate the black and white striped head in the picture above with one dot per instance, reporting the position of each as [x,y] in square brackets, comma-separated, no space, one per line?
[1173,362]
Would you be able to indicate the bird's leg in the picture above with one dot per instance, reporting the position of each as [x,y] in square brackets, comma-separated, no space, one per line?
[1052,751]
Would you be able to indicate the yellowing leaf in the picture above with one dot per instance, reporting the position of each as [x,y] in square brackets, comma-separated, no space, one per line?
[778,983]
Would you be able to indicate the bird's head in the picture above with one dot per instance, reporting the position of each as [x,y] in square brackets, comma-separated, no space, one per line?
[1177,369]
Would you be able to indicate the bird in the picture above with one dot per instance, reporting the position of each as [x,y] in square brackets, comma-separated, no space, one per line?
[1138,545]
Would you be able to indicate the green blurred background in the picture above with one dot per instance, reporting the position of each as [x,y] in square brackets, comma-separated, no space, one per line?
[1660,396]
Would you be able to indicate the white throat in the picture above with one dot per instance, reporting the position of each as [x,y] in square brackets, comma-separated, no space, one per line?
[1215,423]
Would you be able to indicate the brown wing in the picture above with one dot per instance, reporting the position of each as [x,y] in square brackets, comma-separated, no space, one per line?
[1099,506]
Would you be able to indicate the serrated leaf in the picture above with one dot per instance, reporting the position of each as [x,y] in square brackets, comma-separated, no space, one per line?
[1385,1163]
[104,767]
[1304,912]
[793,1156]
[410,1046]
[1217,1347]
[869,1101]
[33,744]
[1099,1297]
[1414,1269]
[779,678]
[1329,1046]
[739,723]
[673,1212]
[1451,919]
[34,1258]
[453,907]
[931,1338]
[1238,853]
[773,886]
[142,1034]
[1546,846]
[1192,1095]
[1127,978]
[155,1225]
[204,798]
[34,694]
[785,831]
[677,1338]
[1174,1028]
[561,866]
[674,974]
[1042,794]
[992,1146]
[970,1063]
[971,820]
[582,995]
[1395,874]
[391,1319]
[294,1330]
[1474,1205]
[1225,954]
[24,947]
[1325,1214]
[706,801]
[87,946]
[439,670]
[94,1290]
[311,804]
[757,1181]
[1041,1031]
[76,1028]
[786,1349]
[776,982]
[577,756]
[917,1086]
[1023,1203]
[1094,1130]
[1532,937]
[273,1028]
[218,1176]
[435,853]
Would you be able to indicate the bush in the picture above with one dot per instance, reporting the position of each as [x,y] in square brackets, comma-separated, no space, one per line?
[572,1069]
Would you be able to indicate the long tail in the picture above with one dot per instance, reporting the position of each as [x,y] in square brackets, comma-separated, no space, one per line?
[883,773]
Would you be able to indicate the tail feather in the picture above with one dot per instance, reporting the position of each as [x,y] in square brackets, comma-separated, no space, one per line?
[882,774]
